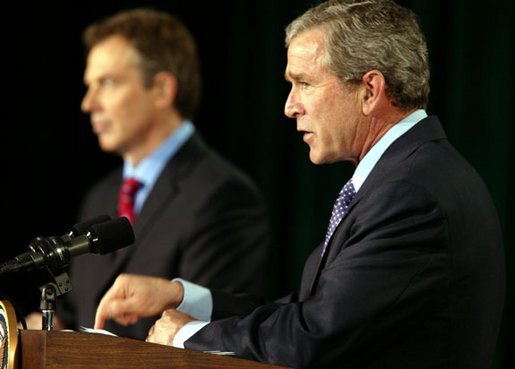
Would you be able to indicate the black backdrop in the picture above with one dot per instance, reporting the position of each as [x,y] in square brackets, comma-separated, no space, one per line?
[50,157]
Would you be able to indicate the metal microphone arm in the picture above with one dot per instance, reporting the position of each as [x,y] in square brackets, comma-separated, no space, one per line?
[59,285]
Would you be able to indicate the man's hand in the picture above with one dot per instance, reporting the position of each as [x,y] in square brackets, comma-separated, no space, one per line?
[34,320]
[165,328]
[132,297]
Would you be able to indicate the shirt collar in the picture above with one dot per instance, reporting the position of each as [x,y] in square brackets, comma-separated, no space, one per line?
[366,165]
[150,167]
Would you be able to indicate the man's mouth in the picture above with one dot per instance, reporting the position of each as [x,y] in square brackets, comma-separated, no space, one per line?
[306,136]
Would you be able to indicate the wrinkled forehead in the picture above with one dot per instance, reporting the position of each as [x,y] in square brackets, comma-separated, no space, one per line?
[305,52]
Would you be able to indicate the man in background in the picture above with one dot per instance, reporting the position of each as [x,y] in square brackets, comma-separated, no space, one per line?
[195,215]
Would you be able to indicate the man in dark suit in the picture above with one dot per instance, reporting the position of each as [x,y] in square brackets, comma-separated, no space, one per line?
[411,271]
[196,215]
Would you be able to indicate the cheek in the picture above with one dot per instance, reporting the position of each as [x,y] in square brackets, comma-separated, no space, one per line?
[124,104]
[336,131]
[129,111]
[329,122]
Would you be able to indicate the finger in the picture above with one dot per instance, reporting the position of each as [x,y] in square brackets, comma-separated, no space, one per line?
[166,313]
[172,313]
[122,311]
[103,309]
[150,333]
[99,320]
[102,313]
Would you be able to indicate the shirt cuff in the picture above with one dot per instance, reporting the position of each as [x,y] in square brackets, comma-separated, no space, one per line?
[197,301]
[188,330]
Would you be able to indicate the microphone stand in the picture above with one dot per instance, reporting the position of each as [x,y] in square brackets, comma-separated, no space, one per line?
[47,306]
[59,285]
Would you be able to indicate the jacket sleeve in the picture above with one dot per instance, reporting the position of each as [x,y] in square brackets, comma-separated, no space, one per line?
[385,274]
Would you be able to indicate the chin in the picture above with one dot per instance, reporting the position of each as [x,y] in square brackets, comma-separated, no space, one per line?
[319,158]
[315,159]
[107,146]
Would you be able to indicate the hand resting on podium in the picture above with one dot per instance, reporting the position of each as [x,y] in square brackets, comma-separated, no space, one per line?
[133,297]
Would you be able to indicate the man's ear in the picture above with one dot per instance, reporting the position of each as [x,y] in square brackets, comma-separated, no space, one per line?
[165,88]
[374,91]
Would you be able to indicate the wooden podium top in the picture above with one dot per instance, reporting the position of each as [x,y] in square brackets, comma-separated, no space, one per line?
[73,350]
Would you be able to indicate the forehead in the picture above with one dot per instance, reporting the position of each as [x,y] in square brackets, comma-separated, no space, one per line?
[114,53]
[305,53]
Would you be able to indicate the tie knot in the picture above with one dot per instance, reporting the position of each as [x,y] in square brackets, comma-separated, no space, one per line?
[130,186]
[126,198]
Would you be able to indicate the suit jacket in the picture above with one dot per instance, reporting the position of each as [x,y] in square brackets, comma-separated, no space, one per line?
[413,277]
[204,221]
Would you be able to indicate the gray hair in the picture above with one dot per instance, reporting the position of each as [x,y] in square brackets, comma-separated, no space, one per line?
[373,34]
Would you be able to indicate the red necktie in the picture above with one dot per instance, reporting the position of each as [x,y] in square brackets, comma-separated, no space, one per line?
[126,198]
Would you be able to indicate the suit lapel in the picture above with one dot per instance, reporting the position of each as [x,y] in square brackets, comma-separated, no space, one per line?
[322,259]
[426,130]
[165,190]
[168,185]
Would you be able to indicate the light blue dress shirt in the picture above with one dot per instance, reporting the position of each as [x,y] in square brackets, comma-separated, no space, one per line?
[149,169]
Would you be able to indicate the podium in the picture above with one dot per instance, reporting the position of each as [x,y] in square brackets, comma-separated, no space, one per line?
[40,349]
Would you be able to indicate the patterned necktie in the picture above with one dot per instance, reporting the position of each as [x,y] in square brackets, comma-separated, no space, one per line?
[126,198]
[340,208]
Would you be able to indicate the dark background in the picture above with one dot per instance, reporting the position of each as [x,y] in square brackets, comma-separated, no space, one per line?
[50,156]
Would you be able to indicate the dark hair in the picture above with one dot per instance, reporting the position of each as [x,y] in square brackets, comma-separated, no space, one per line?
[163,43]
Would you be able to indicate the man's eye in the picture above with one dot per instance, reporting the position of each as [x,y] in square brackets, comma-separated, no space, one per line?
[302,85]
[106,83]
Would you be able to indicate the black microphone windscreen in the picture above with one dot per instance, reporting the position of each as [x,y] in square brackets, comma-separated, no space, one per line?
[111,235]
[83,227]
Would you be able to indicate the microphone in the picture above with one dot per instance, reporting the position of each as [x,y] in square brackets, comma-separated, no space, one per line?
[99,237]
[81,228]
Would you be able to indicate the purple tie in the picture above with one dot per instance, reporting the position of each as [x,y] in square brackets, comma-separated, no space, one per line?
[340,208]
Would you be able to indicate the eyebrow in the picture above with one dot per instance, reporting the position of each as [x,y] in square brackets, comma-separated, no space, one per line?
[293,76]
